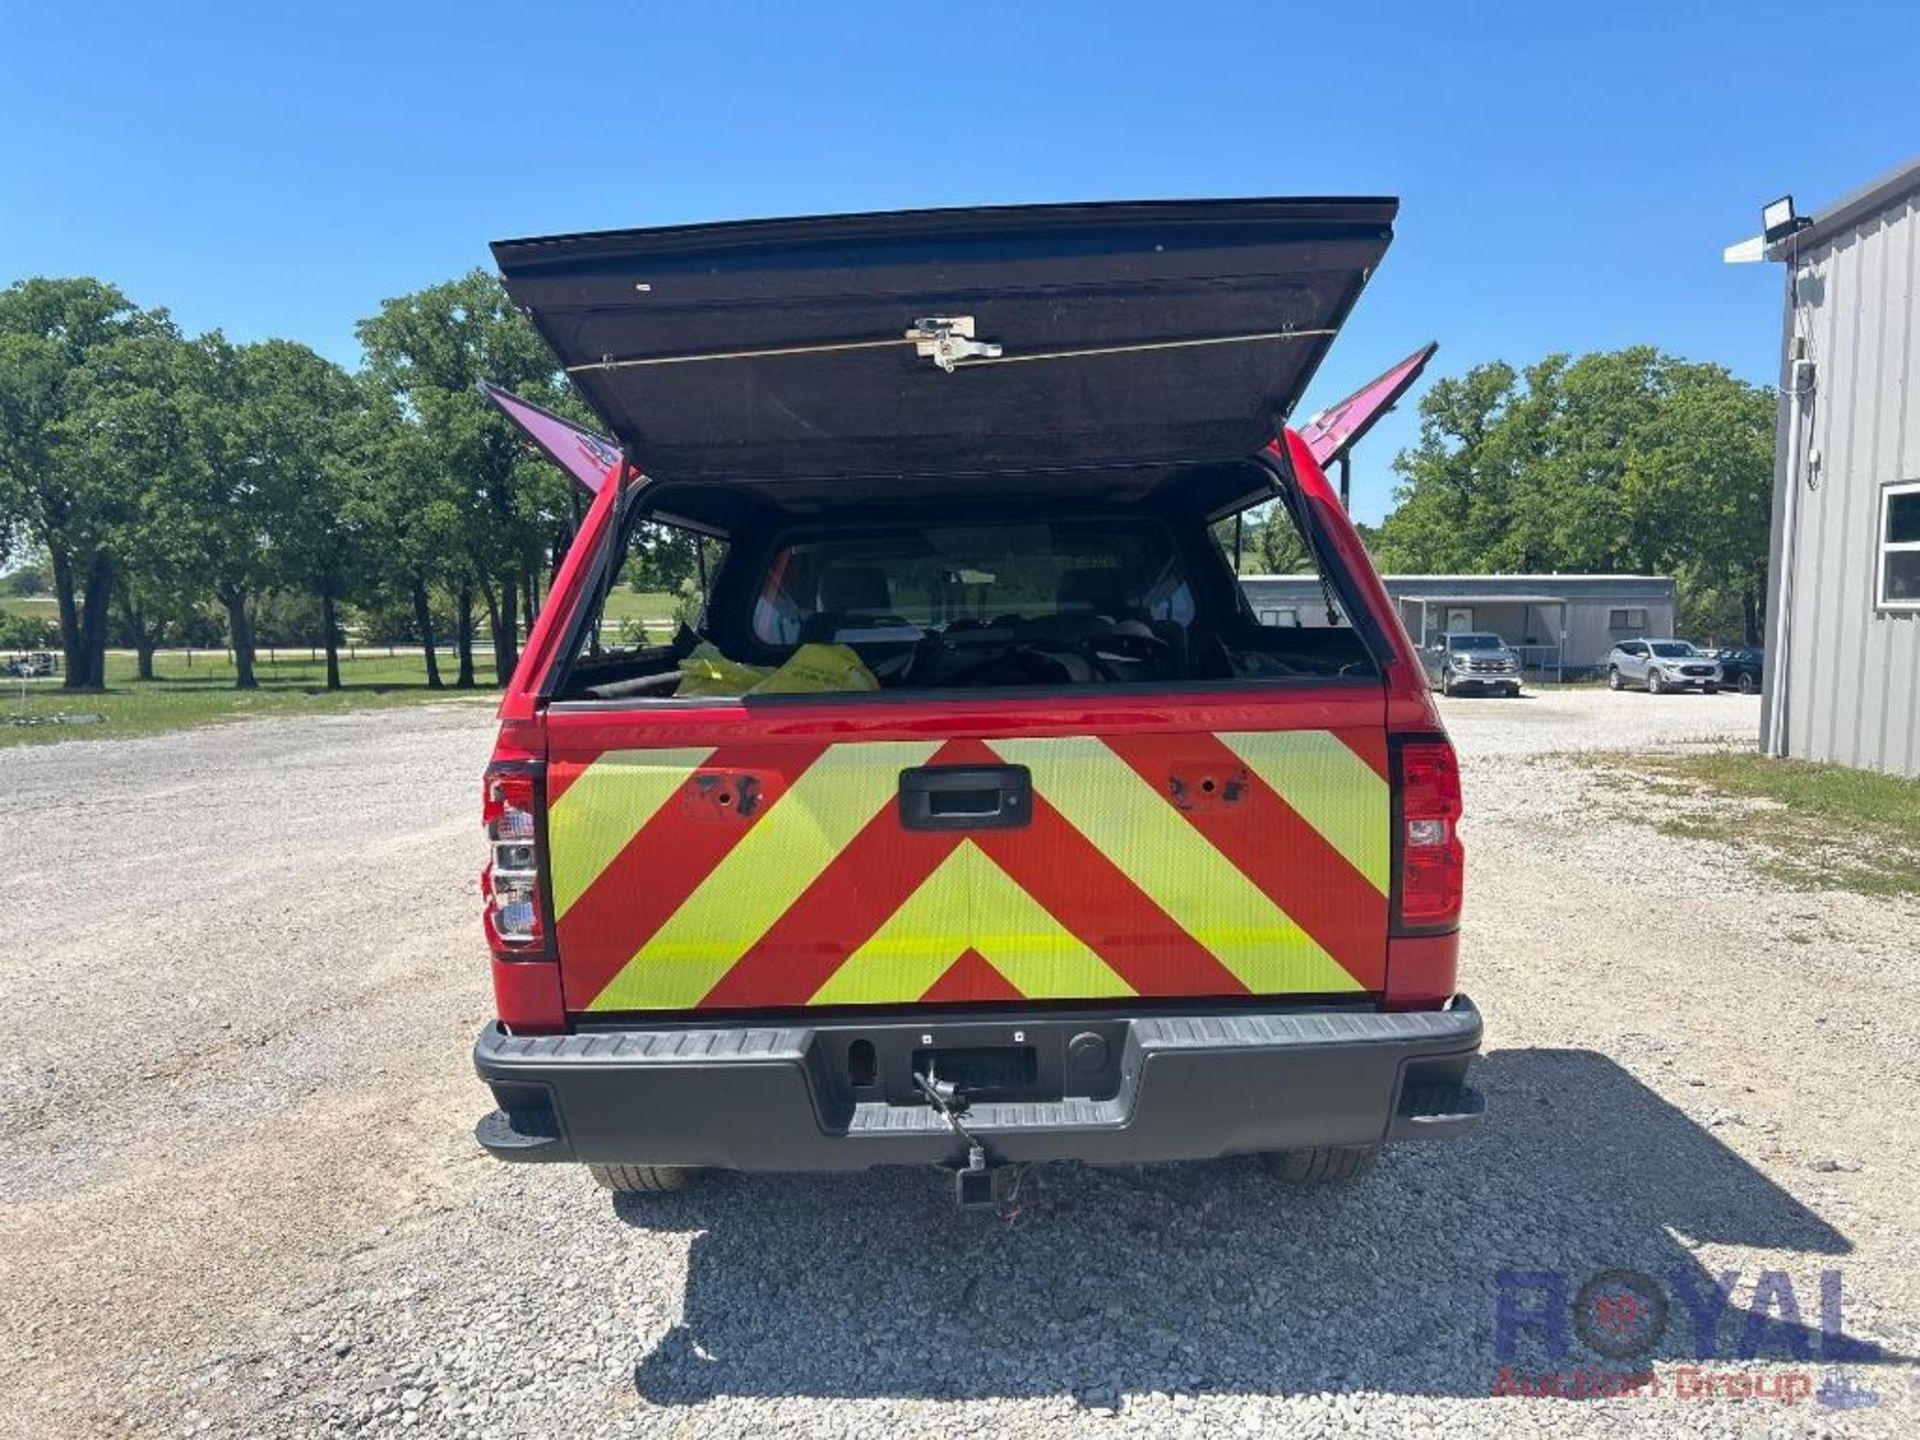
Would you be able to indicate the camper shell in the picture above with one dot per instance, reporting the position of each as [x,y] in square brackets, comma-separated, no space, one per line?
[975,819]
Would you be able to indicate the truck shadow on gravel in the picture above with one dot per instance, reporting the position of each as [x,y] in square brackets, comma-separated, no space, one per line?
[1215,1278]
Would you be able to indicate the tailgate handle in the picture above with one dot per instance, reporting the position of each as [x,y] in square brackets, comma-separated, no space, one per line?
[965,797]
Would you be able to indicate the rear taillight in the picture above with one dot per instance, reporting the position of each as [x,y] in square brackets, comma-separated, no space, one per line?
[516,906]
[1431,864]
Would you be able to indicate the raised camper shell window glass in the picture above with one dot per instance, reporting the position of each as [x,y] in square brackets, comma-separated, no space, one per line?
[1897,574]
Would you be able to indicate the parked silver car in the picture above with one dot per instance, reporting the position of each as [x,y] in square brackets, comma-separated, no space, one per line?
[1661,665]
[1473,660]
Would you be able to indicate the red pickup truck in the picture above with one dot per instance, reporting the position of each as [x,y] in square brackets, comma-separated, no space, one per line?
[977,820]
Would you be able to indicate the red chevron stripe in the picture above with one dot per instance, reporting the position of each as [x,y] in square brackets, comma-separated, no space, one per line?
[662,864]
[1370,745]
[1267,840]
[1090,895]
[970,978]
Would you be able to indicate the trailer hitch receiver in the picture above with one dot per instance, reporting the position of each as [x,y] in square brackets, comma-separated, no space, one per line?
[980,1183]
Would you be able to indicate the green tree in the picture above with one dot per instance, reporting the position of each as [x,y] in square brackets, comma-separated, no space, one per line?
[1270,544]
[663,558]
[235,455]
[312,459]
[1704,499]
[1278,543]
[151,601]
[27,632]
[409,509]
[59,339]
[138,443]
[28,576]
[190,428]
[1452,507]
[1621,460]
[431,350]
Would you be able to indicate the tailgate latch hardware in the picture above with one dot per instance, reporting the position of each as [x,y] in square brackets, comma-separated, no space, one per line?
[966,797]
[948,339]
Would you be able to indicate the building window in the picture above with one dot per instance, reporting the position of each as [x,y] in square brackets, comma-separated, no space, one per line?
[1626,619]
[1898,586]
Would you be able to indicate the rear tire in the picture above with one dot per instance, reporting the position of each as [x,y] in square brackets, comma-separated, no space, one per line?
[1323,1164]
[640,1179]
[1746,684]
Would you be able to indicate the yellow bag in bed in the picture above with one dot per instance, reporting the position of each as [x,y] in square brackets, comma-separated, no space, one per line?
[705,671]
[818,669]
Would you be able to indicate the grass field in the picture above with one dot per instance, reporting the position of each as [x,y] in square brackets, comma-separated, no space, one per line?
[654,607]
[201,693]
[1816,826]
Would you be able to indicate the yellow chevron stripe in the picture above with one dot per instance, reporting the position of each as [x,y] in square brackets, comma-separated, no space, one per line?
[1137,829]
[800,834]
[605,807]
[970,903]
[1332,789]
[1020,938]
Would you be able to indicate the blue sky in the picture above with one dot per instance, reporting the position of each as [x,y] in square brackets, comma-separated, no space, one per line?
[1569,173]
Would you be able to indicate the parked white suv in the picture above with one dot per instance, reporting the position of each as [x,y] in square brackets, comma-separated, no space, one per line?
[1661,665]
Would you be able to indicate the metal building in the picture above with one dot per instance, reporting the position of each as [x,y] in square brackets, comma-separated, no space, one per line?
[1561,625]
[1843,604]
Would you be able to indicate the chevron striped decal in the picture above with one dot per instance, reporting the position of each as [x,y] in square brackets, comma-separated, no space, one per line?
[591,822]
[779,875]
[970,906]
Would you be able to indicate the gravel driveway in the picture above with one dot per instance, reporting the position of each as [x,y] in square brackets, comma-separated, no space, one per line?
[241,1196]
